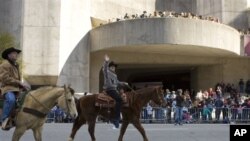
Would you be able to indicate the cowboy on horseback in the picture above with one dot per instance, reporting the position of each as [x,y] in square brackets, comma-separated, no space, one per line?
[11,82]
[111,83]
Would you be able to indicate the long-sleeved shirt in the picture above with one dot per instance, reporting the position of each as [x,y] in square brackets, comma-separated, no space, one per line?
[9,77]
[110,78]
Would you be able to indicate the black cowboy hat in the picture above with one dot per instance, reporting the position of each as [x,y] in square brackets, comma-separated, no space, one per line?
[112,64]
[7,51]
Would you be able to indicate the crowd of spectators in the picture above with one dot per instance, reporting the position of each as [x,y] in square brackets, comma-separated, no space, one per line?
[163,14]
[223,103]
[244,31]
[57,115]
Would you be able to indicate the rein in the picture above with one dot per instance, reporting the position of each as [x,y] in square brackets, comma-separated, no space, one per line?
[66,101]
[39,102]
[34,111]
[131,89]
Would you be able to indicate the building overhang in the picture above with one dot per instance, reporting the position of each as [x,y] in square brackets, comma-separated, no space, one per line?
[175,36]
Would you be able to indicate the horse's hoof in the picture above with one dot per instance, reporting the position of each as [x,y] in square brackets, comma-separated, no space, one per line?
[70,139]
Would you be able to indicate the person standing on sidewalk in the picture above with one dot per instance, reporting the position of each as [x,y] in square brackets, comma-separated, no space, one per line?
[179,108]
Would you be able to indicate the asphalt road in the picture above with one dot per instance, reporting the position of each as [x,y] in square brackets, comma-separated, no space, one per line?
[155,132]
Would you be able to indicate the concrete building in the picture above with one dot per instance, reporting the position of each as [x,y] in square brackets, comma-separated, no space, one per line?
[64,43]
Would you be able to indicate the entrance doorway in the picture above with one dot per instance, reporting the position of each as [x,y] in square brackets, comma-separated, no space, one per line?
[169,80]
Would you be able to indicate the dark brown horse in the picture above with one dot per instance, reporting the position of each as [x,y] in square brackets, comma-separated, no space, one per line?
[88,112]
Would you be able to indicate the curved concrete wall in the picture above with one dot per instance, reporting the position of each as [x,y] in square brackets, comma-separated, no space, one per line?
[74,44]
[163,31]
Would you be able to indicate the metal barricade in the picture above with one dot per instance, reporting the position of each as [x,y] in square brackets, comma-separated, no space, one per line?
[197,115]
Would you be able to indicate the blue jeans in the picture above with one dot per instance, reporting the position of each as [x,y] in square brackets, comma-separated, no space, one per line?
[9,104]
[178,114]
[114,94]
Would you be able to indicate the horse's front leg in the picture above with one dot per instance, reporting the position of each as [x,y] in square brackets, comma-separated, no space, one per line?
[123,129]
[91,128]
[139,127]
[19,131]
[37,132]
[79,121]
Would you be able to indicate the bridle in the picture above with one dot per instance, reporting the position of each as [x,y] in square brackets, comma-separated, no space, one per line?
[66,102]
[45,107]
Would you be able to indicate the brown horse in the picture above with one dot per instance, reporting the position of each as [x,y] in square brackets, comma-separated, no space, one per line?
[88,112]
[38,104]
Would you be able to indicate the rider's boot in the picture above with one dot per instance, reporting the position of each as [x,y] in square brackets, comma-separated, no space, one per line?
[5,124]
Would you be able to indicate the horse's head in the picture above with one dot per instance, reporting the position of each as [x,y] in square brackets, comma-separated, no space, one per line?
[158,97]
[67,102]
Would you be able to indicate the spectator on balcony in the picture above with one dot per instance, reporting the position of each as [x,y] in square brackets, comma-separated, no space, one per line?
[189,15]
[200,17]
[171,14]
[117,19]
[183,15]
[126,16]
[156,14]
[144,14]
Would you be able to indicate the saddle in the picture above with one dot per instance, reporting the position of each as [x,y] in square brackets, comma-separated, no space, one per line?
[104,100]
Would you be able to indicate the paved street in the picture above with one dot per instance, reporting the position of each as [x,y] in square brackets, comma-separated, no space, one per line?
[155,132]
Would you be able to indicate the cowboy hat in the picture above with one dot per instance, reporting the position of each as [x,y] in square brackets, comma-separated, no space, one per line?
[112,64]
[7,51]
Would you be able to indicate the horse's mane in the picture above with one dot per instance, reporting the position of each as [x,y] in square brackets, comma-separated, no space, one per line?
[136,95]
[142,90]
[43,89]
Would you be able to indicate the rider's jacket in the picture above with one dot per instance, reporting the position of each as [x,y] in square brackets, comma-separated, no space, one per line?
[9,77]
[110,78]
